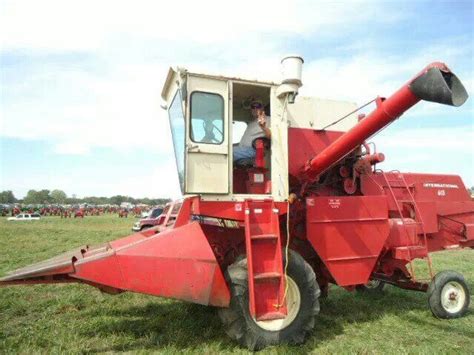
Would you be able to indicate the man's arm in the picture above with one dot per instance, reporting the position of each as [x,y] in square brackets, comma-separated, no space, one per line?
[262,122]
[268,132]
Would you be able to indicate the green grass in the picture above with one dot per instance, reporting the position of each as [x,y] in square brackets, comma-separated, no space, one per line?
[76,318]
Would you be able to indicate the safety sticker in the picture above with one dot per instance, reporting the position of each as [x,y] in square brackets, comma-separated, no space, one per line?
[257,177]
[334,202]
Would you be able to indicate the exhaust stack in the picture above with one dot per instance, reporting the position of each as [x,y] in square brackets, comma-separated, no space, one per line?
[292,67]
[435,83]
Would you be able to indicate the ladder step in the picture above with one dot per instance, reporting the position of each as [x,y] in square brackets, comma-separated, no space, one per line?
[262,240]
[410,252]
[267,276]
[271,316]
[264,237]
[412,247]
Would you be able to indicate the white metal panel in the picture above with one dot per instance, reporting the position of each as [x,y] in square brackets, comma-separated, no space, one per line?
[315,113]
[169,89]
[167,85]
[279,148]
[204,173]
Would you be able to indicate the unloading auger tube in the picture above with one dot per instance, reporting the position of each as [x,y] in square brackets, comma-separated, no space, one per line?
[434,83]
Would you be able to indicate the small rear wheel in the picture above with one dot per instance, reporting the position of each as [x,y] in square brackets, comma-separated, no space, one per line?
[302,304]
[448,295]
[373,287]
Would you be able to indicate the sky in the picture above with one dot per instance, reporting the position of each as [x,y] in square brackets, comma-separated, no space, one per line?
[80,81]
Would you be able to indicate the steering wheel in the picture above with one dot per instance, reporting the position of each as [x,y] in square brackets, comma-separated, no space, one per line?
[209,136]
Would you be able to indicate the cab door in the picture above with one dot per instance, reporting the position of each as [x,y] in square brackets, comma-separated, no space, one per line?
[207,138]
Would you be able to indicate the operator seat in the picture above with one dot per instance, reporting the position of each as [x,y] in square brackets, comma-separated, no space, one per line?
[250,175]
[252,162]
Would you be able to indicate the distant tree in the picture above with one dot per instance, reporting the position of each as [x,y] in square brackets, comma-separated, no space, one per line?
[146,201]
[118,199]
[44,197]
[93,200]
[7,197]
[162,201]
[37,197]
[58,196]
[73,200]
[155,201]
[31,197]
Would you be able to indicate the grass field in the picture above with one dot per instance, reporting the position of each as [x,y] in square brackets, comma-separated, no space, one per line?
[76,318]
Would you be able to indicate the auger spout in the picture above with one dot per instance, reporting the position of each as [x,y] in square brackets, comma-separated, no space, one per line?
[435,83]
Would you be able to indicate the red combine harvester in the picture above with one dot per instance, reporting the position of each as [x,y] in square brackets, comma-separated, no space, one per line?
[262,240]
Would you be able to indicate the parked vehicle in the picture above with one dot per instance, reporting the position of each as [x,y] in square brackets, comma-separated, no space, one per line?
[262,243]
[150,221]
[25,217]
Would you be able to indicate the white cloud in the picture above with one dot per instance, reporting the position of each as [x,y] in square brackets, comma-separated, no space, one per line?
[113,101]
[80,109]
[454,139]
[78,112]
[446,150]
[154,180]
[365,75]
[88,24]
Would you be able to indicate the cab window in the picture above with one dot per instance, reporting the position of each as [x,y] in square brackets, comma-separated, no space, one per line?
[238,131]
[207,118]
[178,133]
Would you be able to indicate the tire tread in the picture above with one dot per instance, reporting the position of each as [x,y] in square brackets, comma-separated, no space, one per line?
[238,323]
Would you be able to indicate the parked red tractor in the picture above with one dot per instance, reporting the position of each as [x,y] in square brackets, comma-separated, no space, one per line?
[263,242]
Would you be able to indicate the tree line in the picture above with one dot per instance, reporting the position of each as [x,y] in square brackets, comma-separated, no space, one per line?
[43,197]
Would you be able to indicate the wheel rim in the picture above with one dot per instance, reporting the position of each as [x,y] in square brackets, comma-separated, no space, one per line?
[453,297]
[372,284]
[293,304]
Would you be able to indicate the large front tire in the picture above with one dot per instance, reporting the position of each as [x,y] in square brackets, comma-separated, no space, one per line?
[302,303]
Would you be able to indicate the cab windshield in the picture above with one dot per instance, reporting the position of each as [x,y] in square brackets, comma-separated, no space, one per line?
[177,124]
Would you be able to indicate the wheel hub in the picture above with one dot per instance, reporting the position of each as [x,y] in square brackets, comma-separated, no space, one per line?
[372,284]
[453,297]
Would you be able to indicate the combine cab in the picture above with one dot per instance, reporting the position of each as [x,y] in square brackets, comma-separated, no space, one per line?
[263,240]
